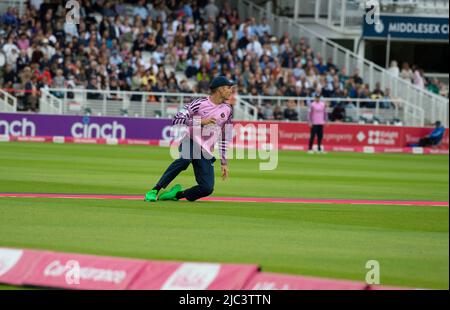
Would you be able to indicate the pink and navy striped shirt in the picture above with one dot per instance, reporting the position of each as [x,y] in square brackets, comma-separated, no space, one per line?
[202,108]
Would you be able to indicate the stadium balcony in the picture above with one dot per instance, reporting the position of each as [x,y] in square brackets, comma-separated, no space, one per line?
[433,7]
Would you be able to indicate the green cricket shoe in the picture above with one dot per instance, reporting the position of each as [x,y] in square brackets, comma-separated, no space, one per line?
[172,194]
[151,196]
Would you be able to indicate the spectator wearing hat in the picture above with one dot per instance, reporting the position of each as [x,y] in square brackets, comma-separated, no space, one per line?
[435,137]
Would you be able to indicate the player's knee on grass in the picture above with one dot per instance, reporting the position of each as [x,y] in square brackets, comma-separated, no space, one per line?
[207,190]
[203,191]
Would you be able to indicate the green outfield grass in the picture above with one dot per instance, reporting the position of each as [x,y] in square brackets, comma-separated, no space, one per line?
[335,241]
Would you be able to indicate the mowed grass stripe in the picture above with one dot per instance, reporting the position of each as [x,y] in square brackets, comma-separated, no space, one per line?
[133,169]
[411,244]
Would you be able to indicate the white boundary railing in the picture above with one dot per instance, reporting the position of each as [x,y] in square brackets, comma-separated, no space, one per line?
[8,103]
[387,111]
[435,106]
[166,105]
[126,103]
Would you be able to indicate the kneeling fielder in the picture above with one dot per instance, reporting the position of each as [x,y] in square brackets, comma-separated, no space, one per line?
[215,110]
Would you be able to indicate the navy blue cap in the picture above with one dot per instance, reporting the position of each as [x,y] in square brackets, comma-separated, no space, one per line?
[220,81]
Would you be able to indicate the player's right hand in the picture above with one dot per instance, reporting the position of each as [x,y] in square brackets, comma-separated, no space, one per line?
[208,121]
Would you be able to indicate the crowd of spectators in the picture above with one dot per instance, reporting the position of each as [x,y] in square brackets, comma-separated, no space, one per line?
[144,45]
[416,76]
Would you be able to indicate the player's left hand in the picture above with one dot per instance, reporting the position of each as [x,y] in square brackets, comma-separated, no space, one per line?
[224,172]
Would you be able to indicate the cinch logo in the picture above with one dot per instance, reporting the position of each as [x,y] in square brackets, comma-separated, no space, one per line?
[18,128]
[114,130]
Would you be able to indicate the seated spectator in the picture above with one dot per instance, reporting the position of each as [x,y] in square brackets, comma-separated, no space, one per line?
[260,116]
[338,113]
[255,47]
[433,86]
[10,17]
[290,113]
[113,88]
[264,28]
[203,84]
[434,138]
[9,77]
[358,80]
[93,86]
[141,10]
[268,111]
[331,65]
[184,87]
[321,67]
[387,102]
[203,75]
[377,92]
[211,11]
[350,111]
[343,77]
[278,115]
[59,82]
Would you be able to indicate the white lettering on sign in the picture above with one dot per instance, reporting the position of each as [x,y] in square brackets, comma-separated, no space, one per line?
[93,130]
[18,128]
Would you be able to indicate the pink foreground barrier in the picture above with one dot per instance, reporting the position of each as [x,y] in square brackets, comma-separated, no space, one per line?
[89,272]
[193,276]
[272,281]
[73,271]
[15,264]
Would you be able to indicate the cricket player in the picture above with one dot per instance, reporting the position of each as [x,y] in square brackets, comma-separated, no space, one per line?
[212,117]
[317,119]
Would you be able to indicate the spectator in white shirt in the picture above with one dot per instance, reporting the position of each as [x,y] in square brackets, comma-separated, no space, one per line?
[158,55]
[407,73]
[36,4]
[264,28]
[418,79]
[71,31]
[255,47]
[394,70]
[208,44]
[141,10]
[47,49]
[10,46]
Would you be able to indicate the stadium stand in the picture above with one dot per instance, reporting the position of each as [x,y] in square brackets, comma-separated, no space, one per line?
[176,47]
